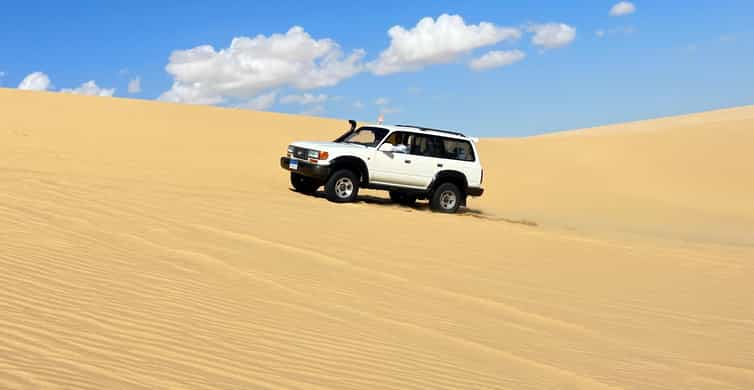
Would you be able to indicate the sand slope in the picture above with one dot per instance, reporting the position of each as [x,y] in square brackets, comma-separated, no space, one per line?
[689,177]
[148,245]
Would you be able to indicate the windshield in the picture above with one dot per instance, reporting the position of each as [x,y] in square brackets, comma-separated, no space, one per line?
[367,136]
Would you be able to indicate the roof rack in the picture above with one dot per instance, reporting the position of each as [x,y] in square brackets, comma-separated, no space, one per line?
[437,130]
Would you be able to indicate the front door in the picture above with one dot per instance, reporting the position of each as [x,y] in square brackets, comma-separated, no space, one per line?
[394,168]
[414,169]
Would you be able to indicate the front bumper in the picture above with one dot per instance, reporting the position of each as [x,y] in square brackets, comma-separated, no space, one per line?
[471,191]
[306,168]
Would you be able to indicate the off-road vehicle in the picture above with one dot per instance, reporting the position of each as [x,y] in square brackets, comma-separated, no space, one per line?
[411,162]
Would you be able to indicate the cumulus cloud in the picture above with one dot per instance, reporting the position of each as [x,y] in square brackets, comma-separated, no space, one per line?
[382,101]
[261,102]
[248,66]
[623,8]
[436,41]
[36,81]
[552,35]
[134,86]
[304,99]
[496,58]
[89,88]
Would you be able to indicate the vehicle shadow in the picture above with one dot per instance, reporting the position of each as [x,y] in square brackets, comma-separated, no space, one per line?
[422,206]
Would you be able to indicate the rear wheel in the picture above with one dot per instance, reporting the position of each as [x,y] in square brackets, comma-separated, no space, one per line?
[446,198]
[303,184]
[402,198]
[342,186]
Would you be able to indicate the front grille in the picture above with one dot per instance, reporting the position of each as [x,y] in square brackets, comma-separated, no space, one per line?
[300,153]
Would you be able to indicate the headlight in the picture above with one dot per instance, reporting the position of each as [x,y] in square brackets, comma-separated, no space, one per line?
[317,155]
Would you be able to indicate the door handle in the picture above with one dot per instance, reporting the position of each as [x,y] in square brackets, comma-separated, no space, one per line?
[439,165]
[407,161]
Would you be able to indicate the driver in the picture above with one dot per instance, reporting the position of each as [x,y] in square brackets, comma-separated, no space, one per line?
[399,142]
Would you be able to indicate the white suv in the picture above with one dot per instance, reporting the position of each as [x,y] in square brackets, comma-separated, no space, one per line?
[411,162]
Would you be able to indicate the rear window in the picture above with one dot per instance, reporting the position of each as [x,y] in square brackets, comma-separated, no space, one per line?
[433,146]
[423,145]
[454,149]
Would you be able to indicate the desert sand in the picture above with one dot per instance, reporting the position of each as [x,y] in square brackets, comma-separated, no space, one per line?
[153,245]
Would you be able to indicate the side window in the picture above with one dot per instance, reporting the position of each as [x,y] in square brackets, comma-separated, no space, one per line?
[457,150]
[398,138]
[423,145]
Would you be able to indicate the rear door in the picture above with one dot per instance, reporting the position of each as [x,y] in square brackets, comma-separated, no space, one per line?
[424,164]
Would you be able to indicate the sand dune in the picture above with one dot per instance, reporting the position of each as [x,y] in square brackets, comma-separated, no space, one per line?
[150,245]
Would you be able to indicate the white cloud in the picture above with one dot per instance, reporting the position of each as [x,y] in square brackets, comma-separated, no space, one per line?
[36,81]
[435,42]
[134,86]
[552,35]
[248,66]
[89,88]
[389,110]
[261,102]
[623,8]
[358,105]
[304,99]
[382,101]
[190,93]
[615,31]
[318,109]
[496,58]
[727,38]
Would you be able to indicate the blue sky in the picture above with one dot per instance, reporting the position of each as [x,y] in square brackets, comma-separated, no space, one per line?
[664,58]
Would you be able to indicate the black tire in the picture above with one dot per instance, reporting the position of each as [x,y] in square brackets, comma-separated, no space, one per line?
[447,198]
[402,198]
[342,186]
[303,184]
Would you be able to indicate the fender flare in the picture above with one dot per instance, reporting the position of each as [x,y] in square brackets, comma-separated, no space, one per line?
[353,163]
[452,176]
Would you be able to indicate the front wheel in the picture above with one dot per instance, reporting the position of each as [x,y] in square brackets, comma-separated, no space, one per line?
[446,198]
[303,184]
[342,186]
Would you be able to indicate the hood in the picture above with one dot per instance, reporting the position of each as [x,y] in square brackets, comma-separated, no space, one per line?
[325,146]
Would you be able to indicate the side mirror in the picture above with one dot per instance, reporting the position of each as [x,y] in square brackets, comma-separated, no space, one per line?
[387,148]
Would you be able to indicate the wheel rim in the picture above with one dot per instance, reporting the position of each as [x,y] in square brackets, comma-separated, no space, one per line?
[448,200]
[344,187]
